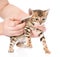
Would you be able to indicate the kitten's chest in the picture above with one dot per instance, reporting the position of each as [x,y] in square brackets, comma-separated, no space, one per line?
[29,24]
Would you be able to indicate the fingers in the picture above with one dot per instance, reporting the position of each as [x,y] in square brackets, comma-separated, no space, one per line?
[13,27]
[13,23]
[14,19]
[17,33]
[17,27]
[42,28]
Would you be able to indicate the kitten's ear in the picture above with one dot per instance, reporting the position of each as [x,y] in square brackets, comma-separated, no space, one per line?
[46,12]
[30,12]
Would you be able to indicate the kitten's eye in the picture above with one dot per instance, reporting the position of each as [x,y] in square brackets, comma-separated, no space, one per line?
[43,19]
[36,18]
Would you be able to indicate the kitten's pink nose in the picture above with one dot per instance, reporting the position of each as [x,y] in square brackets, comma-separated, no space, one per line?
[40,21]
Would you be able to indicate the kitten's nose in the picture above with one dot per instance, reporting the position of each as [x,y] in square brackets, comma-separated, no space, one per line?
[40,22]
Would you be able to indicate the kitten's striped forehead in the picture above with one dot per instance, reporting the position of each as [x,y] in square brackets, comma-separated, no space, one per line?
[38,13]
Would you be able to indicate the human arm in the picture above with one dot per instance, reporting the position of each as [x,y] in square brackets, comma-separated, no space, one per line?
[3,3]
[1,28]
[15,13]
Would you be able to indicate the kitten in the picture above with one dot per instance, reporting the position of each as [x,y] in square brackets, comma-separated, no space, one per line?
[37,18]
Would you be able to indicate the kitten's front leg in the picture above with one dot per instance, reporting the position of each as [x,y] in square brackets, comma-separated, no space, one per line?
[27,34]
[29,42]
[12,43]
[45,47]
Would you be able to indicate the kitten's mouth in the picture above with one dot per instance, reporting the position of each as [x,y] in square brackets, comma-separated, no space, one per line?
[40,22]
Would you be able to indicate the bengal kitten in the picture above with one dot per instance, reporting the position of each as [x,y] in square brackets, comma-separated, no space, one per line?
[37,17]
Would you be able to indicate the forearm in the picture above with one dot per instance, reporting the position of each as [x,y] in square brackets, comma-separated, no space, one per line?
[1,28]
[12,11]
[3,3]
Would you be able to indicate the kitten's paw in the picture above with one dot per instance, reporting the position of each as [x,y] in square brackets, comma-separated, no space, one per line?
[47,51]
[29,45]
[11,50]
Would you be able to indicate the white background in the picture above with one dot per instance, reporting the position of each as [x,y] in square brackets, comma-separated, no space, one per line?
[52,32]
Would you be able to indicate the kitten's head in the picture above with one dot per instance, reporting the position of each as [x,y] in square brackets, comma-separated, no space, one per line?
[38,15]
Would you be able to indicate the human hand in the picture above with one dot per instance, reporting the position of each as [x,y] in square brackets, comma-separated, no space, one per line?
[35,33]
[13,27]
[40,27]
